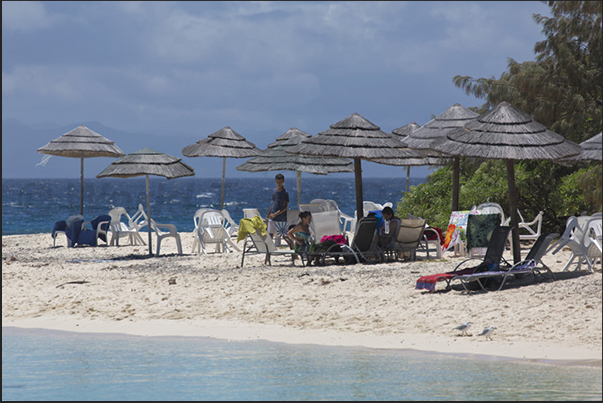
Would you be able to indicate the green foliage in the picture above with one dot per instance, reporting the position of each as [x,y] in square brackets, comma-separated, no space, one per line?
[562,89]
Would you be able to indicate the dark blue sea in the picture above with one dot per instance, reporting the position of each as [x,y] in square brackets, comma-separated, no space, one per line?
[34,205]
[48,365]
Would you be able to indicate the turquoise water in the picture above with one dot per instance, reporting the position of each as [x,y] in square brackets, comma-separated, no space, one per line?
[51,365]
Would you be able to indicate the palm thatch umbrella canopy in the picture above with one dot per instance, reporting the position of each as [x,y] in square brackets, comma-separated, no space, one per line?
[275,158]
[81,143]
[147,162]
[591,151]
[422,139]
[357,138]
[508,133]
[225,143]
[427,157]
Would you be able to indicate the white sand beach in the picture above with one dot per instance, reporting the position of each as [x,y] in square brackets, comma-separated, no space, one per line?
[120,290]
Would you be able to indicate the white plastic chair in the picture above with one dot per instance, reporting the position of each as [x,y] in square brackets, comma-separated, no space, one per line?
[196,220]
[577,237]
[492,208]
[166,231]
[231,226]
[212,230]
[533,227]
[120,229]
[311,207]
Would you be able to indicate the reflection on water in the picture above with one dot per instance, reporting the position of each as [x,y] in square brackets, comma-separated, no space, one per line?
[49,365]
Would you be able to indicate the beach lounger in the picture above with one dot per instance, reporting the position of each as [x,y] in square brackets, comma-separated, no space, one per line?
[532,264]
[362,248]
[492,260]
[408,237]
[258,241]
[61,227]
[479,229]
[120,229]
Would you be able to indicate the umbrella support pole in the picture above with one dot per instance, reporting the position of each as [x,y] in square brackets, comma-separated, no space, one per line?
[82,184]
[358,178]
[515,245]
[223,178]
[456,169]
[407,178]
[298,177]
[149,216]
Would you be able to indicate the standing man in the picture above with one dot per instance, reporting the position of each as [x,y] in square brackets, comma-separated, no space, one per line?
[277,214]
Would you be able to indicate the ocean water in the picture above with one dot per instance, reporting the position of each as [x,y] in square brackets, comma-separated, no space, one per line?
[52,365]
[34,205]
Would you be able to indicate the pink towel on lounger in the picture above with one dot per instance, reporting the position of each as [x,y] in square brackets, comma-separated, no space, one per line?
[429,282]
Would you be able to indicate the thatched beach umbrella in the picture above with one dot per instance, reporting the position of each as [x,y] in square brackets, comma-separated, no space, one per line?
[591,151]
[428,157]
[423,138]
[147,162]
[275,158]
[507,133]
[225,143]
[356,138]
[81,143]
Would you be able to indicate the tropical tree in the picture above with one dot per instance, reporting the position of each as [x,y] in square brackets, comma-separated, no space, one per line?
[561,88]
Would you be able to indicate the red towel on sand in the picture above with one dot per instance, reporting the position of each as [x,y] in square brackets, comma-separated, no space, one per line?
[429,282]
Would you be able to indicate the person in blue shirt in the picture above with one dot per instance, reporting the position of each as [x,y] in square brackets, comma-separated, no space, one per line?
[277,214]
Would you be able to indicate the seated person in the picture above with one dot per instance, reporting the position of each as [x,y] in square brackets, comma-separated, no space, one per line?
[300,234]
[387,236]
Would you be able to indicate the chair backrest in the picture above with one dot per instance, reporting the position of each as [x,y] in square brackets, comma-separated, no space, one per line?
[116,224]
[496,245]
[250,212]
[364,234]
[540,247]
[197,216]
[139,219]
[292,217]
[410,233]
[492,208]
[592,229]
[212,218]
[479,229]
[311,207]
[325,223]
[263,243]
[370,206]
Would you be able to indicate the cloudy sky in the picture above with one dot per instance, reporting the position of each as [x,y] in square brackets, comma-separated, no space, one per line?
[191,68]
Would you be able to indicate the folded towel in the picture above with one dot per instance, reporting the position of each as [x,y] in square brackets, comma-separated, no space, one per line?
[340,239]
[105,226]
[73,232]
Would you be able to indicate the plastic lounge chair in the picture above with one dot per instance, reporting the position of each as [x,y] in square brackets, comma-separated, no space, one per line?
[594,231]
[120,229]
[166,231]
[577,238]
[251,212]
[529,265]
[196,220]
[212,230]
[325,223]
[408,237]
[79,234]
[362,248]
[311,207]
[137,222]
[257,243]
[492,259]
